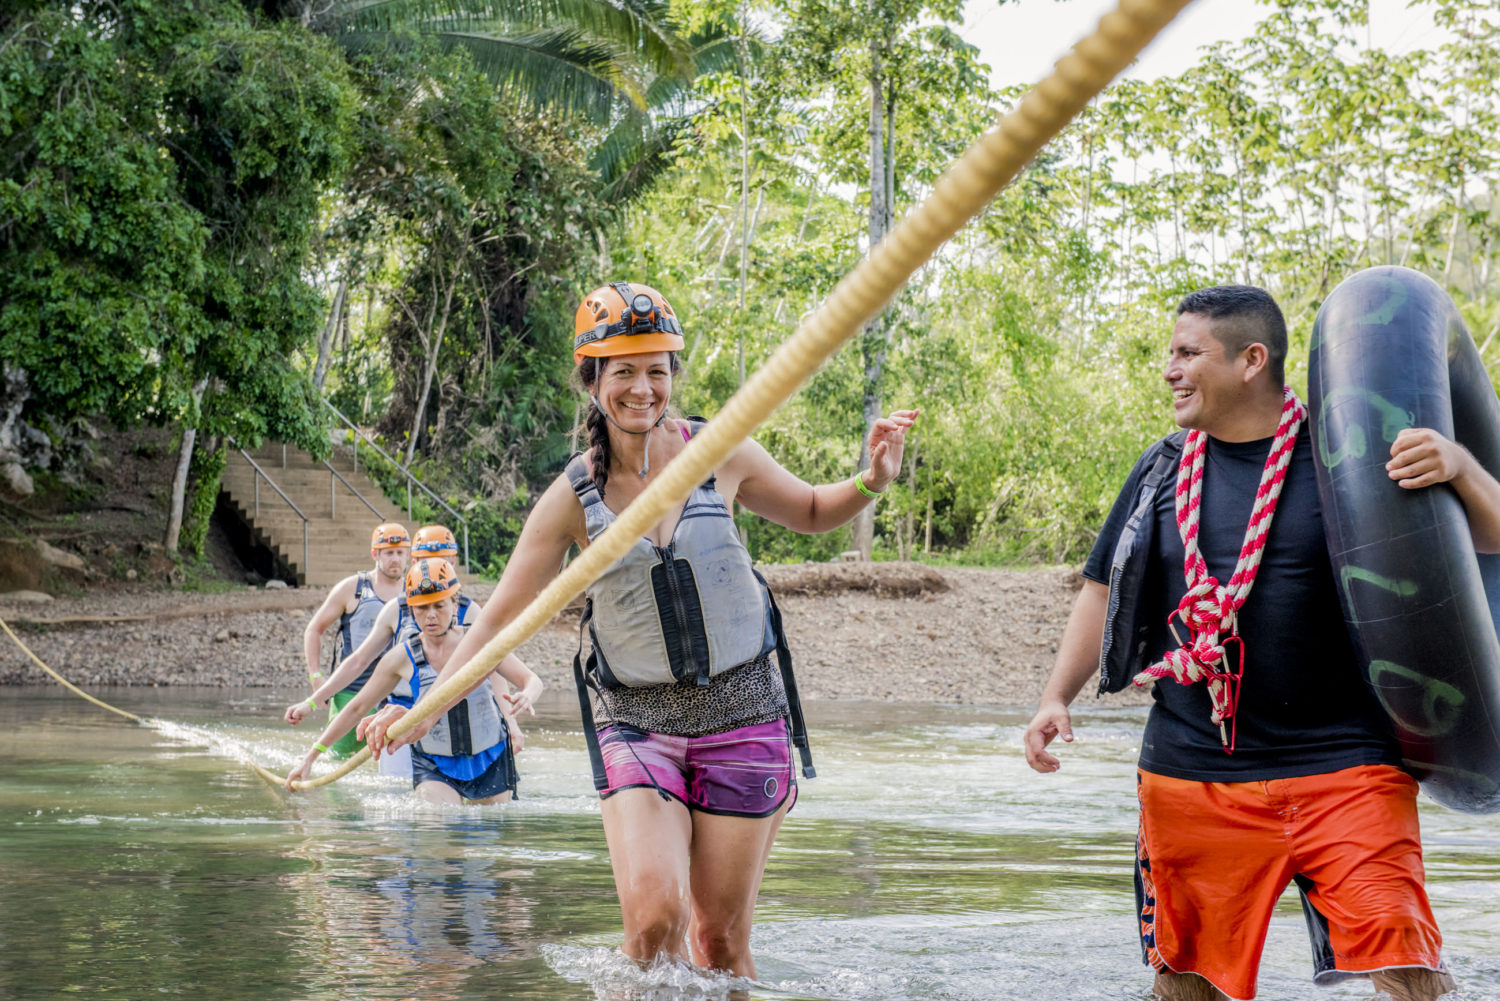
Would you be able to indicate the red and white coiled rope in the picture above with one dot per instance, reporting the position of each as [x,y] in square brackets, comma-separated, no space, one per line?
[1209,610]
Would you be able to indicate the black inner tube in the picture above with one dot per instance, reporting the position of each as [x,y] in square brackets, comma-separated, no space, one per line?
[1390,351]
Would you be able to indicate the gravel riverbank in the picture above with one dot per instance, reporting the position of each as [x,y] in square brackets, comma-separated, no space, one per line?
[899,632]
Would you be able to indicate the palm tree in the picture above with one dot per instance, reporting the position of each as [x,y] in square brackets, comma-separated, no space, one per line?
[595,59]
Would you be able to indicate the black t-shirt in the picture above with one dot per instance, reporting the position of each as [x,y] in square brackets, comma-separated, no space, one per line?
[1304,708]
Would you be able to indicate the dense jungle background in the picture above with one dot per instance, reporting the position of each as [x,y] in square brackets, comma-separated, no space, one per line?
[215,212]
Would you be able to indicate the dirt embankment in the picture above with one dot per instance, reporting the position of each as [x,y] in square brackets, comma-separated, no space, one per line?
[888,631]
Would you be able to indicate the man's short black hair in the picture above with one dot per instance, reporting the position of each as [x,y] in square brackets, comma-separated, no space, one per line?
[1242,315]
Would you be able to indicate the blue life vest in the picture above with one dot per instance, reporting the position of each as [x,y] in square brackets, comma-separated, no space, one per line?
[471,728]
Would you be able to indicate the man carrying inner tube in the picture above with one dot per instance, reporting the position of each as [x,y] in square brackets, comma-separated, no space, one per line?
[1265,758]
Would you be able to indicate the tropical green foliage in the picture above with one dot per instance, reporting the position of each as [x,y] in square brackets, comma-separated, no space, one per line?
[1033,343]
[163,167]
[403,200]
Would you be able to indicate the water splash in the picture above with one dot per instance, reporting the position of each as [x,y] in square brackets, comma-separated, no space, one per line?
[613,976]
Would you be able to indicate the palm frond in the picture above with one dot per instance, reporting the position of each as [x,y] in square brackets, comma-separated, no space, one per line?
[637,31]
[551,72]
[635,154]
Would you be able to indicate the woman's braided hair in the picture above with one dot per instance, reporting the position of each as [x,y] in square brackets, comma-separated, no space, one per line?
[595,423]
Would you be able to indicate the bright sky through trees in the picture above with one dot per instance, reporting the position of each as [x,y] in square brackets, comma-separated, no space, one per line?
[1021,40]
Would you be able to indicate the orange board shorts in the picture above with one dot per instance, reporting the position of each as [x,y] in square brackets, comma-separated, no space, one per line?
[1214,857]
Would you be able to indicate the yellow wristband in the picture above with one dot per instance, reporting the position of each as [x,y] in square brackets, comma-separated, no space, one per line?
[310,703]
[859,481]
[321,748]
[315,676]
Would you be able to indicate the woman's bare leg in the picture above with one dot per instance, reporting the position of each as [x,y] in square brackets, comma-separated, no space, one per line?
[438,792]
[729,858]
[649,839]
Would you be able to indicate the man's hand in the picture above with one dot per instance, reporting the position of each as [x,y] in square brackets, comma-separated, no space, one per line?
[1051,720]
[1421,457]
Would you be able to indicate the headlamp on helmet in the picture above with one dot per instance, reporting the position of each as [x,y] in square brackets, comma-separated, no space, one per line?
[389,536]
[433,540]
[622,318]
[430,581]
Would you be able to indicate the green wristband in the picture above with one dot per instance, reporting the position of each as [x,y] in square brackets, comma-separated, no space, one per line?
[310,703]
[859,481]
[315,676]
[321,748]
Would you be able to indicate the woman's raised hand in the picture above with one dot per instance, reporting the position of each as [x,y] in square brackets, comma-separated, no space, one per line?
[887,443]
[520,702]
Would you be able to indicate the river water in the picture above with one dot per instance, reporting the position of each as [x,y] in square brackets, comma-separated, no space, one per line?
[925,862]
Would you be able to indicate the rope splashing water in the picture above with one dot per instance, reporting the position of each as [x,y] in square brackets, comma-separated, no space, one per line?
[963,191]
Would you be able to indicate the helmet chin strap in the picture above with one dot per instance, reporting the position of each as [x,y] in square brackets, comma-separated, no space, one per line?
[654,425]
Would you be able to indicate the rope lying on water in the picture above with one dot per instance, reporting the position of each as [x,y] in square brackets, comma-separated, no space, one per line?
[262,772]
[958,196]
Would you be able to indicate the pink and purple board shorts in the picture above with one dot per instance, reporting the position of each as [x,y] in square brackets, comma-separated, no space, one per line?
[741,773]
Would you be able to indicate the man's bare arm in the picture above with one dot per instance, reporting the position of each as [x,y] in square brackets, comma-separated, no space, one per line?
[1077,661]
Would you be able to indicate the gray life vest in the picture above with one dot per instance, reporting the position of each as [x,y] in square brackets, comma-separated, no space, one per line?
[474,725]
[356,625]
[1128,620]
[711,536]
[688,610]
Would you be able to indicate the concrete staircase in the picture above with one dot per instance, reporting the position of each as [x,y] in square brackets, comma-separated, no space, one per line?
[338,522]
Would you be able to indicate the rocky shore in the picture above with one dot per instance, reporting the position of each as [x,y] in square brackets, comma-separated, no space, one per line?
[899,632]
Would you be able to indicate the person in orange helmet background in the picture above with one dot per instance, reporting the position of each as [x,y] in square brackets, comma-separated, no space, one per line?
[354,603]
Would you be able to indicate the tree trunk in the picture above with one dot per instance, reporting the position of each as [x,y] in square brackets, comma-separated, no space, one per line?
[325,340]
[179,478]
[872,343]
[744,195]
[429,367]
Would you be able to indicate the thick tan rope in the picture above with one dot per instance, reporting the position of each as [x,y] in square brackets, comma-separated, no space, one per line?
[262,772]
[64,681]
[960,194]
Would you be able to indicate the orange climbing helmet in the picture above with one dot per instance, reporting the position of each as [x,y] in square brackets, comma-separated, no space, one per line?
[430,581]
[390,536]
[622,318]
[433,540]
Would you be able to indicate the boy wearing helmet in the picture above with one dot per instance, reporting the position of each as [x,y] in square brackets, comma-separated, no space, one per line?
[463,756]
[692,723]
[355,603]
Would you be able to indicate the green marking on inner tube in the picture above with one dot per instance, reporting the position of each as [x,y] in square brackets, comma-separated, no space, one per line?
[1403,588]
[1441,702]
[1396,295]
[1393,420]
[1354,441]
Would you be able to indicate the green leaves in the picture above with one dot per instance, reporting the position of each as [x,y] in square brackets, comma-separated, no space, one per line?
[164,171]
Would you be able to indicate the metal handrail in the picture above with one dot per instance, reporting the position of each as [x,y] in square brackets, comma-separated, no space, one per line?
[410,476]
[290,503]
[332,507]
